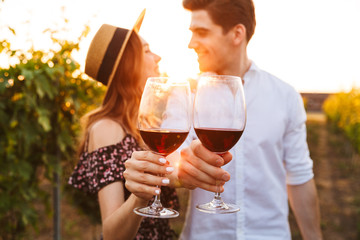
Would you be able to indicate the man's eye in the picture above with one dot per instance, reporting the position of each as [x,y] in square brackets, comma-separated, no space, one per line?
[201,33]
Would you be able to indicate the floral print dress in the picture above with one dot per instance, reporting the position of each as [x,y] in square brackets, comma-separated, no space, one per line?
[105,165]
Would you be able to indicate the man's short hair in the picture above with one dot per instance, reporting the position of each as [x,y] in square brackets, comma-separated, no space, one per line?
[227,13]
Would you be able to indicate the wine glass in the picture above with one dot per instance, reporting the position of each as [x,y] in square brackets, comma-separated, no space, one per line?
[219,121]
[164,122]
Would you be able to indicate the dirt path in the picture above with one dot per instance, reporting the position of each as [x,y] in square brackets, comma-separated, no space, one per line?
[336,169]
[324,179]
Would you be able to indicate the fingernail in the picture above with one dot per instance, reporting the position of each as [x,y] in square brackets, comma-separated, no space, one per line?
[162,160]
[169,169]
[225,177]
[157,191]
[165,181]
[219,162]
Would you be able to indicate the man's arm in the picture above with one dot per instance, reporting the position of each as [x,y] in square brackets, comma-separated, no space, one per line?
[305,205]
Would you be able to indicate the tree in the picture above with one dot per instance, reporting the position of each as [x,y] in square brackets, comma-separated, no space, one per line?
[42,97]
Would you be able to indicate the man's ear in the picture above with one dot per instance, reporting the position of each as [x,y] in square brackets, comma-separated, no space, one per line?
[239,33]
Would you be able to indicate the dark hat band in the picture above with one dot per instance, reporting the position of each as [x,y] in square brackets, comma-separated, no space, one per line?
[111,54]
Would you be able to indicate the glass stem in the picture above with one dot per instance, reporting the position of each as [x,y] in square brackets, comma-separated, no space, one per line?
[217,202]
[157,202]
[156,205]
[217,196]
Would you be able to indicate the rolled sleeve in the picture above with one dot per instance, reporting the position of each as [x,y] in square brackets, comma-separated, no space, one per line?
[298,164]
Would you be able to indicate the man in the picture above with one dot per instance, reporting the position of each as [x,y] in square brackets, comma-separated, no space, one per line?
[271,162]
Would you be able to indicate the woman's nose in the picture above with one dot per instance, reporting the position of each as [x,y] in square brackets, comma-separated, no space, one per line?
[157,58]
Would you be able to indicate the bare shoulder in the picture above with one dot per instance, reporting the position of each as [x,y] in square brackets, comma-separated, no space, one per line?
[105,132]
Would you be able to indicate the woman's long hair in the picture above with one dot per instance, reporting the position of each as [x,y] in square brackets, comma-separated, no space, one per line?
[122,99]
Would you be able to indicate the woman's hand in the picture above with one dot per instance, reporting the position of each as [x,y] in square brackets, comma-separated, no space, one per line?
[144,171]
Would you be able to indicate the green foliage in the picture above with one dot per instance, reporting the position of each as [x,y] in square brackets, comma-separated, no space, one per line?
[343,110]
[41,100]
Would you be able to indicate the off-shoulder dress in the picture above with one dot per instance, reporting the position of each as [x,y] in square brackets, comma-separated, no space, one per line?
[105,165]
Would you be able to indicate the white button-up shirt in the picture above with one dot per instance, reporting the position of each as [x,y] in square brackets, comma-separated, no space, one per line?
[271,153]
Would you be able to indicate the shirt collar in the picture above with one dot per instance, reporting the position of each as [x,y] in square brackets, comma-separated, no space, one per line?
[252,70]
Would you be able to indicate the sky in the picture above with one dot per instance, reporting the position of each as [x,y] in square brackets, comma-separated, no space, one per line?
[314,45]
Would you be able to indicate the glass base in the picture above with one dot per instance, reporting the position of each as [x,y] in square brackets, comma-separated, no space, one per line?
[217,206]
[156,212]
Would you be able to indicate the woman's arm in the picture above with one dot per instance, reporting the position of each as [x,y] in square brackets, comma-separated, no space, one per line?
[118,219]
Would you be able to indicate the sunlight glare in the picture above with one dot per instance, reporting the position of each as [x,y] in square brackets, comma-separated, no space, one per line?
[315,49]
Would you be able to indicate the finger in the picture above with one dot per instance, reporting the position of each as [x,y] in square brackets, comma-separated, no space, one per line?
[142,191]
[189,166]
[141,167]
[187,170]
[200,179]
[149,157]
[145,178]
[201,152]
[227,157]
[200,169]
[192,183]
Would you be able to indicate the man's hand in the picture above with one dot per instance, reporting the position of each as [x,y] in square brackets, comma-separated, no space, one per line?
[200,167]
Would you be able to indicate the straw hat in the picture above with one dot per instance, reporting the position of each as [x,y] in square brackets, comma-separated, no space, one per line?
[106,49]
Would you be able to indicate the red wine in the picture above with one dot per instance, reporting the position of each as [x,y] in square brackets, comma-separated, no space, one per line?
[163,141]
[218,140]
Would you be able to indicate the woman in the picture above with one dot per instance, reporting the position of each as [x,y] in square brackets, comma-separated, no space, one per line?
[122,60]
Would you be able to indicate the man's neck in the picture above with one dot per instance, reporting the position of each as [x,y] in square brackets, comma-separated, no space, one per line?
[239,66]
